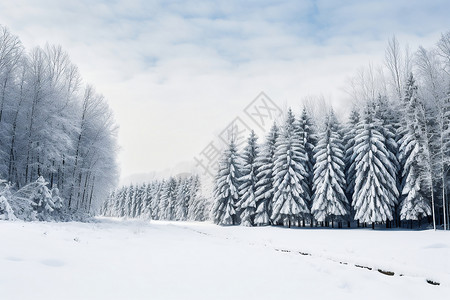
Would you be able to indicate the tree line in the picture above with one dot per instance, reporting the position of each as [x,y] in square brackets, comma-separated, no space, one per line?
[174,199]
[54,126]
[388,164]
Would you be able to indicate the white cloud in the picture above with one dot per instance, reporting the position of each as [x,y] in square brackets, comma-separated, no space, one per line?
[177,73]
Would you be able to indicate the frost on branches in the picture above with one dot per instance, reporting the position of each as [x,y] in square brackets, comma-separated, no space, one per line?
[226,191]
[375,191]
[329,199]
[290,202]
[415,204]
[265,163]
[247,204]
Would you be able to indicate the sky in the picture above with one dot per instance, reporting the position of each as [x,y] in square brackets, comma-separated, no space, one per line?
[176,73]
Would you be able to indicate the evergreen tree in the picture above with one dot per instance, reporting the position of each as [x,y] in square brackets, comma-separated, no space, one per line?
[309,140]
[168,199]
[329,200]
[226,193]
[375,193]
[415,203]
[247,204]
[121,202]
[156,203]
[129,195]
[290,202]
[350,169]
[182,200]
[196,206]
[264,191]
[147,198]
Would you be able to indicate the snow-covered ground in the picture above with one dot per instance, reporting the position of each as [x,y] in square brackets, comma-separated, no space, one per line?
[115,259]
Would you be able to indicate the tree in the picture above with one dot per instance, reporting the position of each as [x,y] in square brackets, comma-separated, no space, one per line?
[264,191]
[156,203]
[412,154]
[168,200]
[329,199]
[387,112]
[226,190]
[375,191]
[197,204]
[290,184]
[247,204]
[182,200]
[309,141]
[350,165]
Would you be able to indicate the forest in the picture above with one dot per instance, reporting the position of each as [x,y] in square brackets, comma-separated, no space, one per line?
[174,199]
[387,164]
[57,136]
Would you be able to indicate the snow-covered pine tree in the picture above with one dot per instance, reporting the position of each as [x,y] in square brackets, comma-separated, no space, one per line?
[226,190]
[195,207]
[168,199]
[121,201]
[134,201]
[140,198]
[247,203]
[182,200]
[129,200]
[265,162]
[309,141]
[387,112]
[415,204]
[199,208]
[349,138]
[156,201]
[329,199]
[6,212]
[41,199]
[57,200]
[146,212]
[290,202]
[375,192]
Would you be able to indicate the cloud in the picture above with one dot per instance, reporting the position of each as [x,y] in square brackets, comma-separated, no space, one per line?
[177,72]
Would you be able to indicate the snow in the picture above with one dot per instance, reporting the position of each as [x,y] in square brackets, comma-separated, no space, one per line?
[118,259]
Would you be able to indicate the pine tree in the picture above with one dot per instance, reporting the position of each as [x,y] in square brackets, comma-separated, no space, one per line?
[182,200]
[265,162]
[350,170]
[290,202]
[226,193]
[329,200]
[247,204]
[129,195]
[156,203]
[414,205]
[195,207]
[387,112]
[121,203]
[168,199]
[134,201]
[375,193]
[309,140]
[147,201]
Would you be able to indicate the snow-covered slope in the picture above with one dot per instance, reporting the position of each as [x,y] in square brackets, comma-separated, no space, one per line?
[115,259]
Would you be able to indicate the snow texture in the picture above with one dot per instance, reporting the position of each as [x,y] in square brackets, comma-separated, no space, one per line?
[113,259]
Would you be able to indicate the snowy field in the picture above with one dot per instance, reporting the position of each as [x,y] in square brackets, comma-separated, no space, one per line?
[115,259]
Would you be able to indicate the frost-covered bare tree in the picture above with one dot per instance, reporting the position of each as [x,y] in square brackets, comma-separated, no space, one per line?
[398,64]
[49,127]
